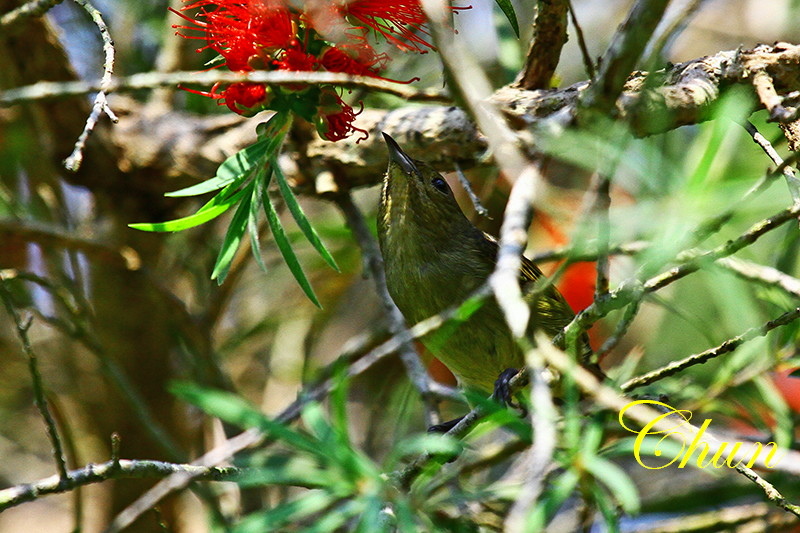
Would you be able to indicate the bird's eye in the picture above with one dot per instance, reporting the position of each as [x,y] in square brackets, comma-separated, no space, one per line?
[440,184]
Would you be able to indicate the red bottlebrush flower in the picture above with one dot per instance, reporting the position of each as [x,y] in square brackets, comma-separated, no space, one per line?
[400,21]
[241,98]
[243,33]
[296,59]
[360,59]
[246,95]
[335,118]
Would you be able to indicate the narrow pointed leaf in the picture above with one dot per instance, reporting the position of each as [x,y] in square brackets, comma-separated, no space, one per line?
[279,234]
[235,410]
[206,213]
[233,237]
[300,217]
[252,220]
[508,9]
[237,165]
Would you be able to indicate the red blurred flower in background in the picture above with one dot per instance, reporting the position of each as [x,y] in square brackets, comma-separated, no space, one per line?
[276,35]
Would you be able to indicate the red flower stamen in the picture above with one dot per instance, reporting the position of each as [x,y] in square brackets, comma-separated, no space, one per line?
[399,21]
[243,33]
[359,59]
[335,118]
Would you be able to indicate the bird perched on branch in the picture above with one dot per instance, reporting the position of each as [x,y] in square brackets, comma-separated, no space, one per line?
[435,258]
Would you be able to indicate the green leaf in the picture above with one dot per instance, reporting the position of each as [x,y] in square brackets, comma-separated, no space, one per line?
[298,470]
[300,217]
[235,410]
[252,220]
[241,163]
[276,518]
[237,165]
[425,443]
[279,234]
[209,211]
[508,9]
[233,237]
[616,480]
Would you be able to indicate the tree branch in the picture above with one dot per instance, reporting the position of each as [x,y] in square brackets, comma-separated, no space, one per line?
[549,37]
[119,469]
[700,358]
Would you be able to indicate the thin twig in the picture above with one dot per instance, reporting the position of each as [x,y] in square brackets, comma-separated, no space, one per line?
[602,206]
[588,62]
[23,324]
[408,354]
[763,274]
[476,202]
[713,224]
[34,8]
[747,238]
[632,289]
[406,476]
[151,80]
[73,162]
[788,172]
[620,329]
[700,358]
[120,469]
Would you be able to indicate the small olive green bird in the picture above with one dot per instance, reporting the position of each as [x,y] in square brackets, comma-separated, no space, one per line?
[435,258]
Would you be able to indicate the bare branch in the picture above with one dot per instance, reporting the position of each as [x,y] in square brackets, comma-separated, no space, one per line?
[46,90]
[700,358]
[788,172]
[73,162]
[761,274]
[588,62]
[23,324]
[632,290]
[119,469]
[34,8]
[549,37]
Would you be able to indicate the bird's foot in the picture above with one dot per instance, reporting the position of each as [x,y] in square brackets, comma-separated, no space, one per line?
[502,391]
[444,427]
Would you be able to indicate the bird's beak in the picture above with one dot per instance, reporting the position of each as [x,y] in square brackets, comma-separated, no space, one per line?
[399,156]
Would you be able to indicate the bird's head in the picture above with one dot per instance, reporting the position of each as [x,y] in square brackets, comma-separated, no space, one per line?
[415,193]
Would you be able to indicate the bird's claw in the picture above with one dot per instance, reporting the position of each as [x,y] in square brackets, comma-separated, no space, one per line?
[502,390]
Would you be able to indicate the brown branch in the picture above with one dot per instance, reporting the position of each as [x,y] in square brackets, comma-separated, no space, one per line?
[114,469]
[700,358]
[549,37]
[588,62]
[685,95]
[23,324]
[47,90]
[100,106]
[35,8]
